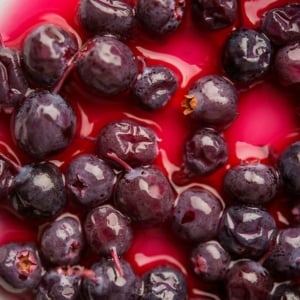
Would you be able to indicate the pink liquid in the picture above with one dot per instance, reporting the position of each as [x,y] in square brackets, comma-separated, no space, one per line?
[268,120]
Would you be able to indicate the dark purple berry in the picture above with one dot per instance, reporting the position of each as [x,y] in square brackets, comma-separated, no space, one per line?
[155,87]
[196,215]
[205,152]
[286,291]
[248,280]
[20,265]
[107,65]
[13,84]
[252,183]
[44,125]
[38,191]
[47,51]
[132,142]
[7,173]
[289,166]
[247,231]
[246,55]
[214,14]
[90,180]
[211,100]
[164,282]
[160,17]
[210,261]
[66,234]
[282,24]
[106,16]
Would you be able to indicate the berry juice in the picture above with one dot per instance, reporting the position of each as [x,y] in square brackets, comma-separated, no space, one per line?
[267,121]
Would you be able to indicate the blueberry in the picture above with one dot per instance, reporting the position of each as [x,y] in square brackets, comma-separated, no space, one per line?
[281,24]
[164,282]
[155,87]
[47,51]
[13,84]
[105,16]
[246,231]
[210,261]
[205,152]
[196,215]
[38,191]
[160,17]
[289,166]
[90,180]
[7,173]
[66,234]
[20,265]
[214,14]
[211,100]
[44,125]
[252,184]
[131,141]
[247,279]
[286,291]
[246,55]
[107,65]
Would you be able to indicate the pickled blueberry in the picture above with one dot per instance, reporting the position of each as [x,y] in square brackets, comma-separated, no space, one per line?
[44,125]
[38,191]
[90,180]
[214,14]
[286,291]
[210,261]
[20,265]
[7,173]
[204,152]
[47,52]
[155,87]
[246,55]
[196,215]
[66,234]
[164,282]
[246,231]
[107,66]
[105,16]
[247,279]
[251,184]
[131,141]
[211,100]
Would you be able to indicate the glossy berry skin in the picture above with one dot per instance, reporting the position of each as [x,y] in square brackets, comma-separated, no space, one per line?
[196,215]
[90,180]
[211,100]
[38,191]
[107,230]
[204,152]
[281,24]
[289,167]
[107,66]
[251,184]
[44,125]
[20,265]
[109,284]
[246,55]
[145,195]
[13,84]
[283,262]
[246,231]
[164,282]
[104,16]
[47,52]
[7,174]
[286,291]
[154,87]
[59,284]
[67,236]
[248,280]
[160,17]
[210,261]
[214,14]
[131,141]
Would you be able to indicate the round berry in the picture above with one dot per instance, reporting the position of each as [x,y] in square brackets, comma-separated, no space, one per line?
[286,291]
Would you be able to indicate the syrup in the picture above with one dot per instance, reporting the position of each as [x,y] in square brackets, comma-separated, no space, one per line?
[266,124]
